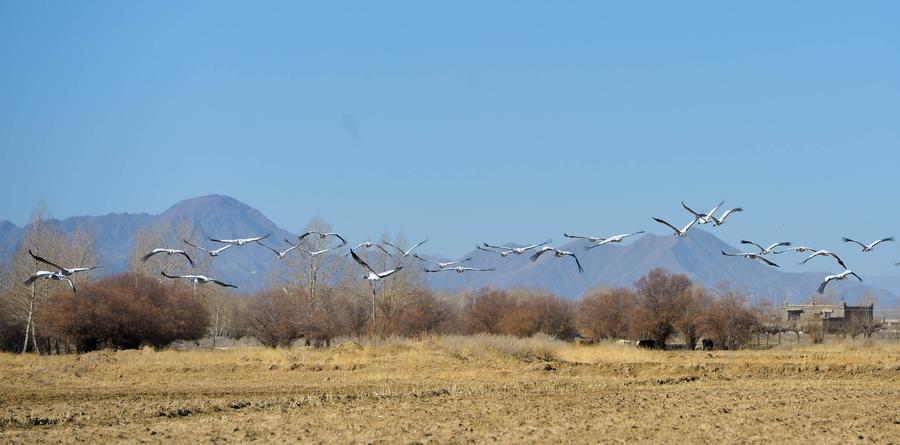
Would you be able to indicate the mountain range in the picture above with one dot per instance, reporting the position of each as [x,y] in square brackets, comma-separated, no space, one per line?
[698,255]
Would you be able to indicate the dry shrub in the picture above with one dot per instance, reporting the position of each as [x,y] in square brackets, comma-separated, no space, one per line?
[274,317]
[606,313]
[520,313]
[728,322]
[660,298]
[537,347]
[125,312]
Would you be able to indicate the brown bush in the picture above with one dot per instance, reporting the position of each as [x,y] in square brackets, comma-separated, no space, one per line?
[522,314]
[275,318]
[123,312]
[693,305]
[660,297]
[606,313]
[728,322]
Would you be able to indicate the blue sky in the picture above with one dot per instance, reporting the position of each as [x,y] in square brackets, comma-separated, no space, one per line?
[462,121]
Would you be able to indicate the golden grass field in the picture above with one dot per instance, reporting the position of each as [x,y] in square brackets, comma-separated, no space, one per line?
[455,390]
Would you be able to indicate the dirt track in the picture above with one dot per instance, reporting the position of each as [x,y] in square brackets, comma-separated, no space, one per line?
[426,392]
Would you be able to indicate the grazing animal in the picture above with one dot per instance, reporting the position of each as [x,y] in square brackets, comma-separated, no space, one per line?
[706,344]
[646,343]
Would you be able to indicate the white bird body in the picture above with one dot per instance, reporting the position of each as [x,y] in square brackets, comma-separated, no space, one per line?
[798,249]
[369,244]
[703,218]
[841,276]
[767,250]
[678,232]
[214,252]
[240,241]
[323,235]
[280,254]
[198,279]
[460,269]
[602,241]
[443,265]
[870,246]
[168,252]
[825,253]
[503,253]
[369,273]
[558,254]
[516,250]
[47,275]
[752,256]
[65,271]
[407,252]
[719,221]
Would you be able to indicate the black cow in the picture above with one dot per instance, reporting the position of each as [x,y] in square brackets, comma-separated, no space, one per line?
[649,344]
[706,344]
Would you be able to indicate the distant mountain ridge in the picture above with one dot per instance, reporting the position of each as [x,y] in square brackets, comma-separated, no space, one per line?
[698,255]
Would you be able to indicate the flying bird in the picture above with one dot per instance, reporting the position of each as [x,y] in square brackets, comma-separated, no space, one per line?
[168,252]
[371,275]
[442,265]
[719,221]
[283,253]
[613,239]
[503,253]
[198,279]
[408,251]
[460,269]
[752,256]
[215,252]
[703,218]
[798,249]
[369,244]
[869,247]
[678,232]
[841,276]
[62,270]
[558,253]
[766,250]
[315,253]
[825,253]
[323,235]
[47,275]
[516,250]
[240,241]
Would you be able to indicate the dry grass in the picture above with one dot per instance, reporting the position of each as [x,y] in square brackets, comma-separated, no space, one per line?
[455,389]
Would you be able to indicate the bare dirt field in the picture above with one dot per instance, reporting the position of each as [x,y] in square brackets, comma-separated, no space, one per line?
[455,390]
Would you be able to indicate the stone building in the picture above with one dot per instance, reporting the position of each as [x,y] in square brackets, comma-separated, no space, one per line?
[835,317]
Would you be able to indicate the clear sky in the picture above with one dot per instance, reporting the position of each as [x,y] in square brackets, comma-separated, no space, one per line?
[462,121]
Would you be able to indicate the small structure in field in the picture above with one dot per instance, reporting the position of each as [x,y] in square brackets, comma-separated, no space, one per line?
[834,317]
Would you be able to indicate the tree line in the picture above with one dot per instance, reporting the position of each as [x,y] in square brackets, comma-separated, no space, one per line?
[314,300]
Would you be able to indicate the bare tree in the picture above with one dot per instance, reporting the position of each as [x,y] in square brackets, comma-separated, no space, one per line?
[606,313]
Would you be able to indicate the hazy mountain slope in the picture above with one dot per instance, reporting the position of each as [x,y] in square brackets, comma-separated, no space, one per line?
[698,255]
